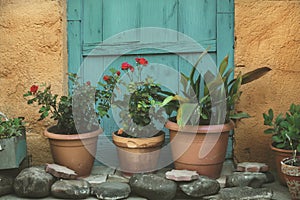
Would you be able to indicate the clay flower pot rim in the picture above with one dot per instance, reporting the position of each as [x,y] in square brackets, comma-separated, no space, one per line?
[288,169]
[285,160]
[279,150]
[80,136]
[200,128]
[138,142]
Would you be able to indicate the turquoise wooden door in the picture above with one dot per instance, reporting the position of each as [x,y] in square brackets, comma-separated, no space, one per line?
[113,24]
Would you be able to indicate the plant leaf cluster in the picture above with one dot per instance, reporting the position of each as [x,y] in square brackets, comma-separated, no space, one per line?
[137,98]
[11,127]
[61,109]
[285,129]
[218,98]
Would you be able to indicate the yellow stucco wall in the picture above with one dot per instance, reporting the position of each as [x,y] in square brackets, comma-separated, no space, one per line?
[268,34]
[33,49]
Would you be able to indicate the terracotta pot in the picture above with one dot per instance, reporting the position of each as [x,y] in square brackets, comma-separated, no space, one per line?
[199,148]
[74,151]
[138,155]
[292,177]
[279,155]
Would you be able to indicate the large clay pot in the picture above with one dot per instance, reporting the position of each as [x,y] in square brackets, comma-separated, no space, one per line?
[75,151]
[292,177]
[138,155]
[187,142]
[279,155]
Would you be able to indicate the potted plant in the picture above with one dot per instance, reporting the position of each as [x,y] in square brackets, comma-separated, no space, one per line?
[284,128]
[13,148]
[136,100]
[199,133]
[290,166]
[73,140]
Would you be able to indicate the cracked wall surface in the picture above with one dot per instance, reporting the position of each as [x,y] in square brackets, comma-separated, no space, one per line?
[33,50]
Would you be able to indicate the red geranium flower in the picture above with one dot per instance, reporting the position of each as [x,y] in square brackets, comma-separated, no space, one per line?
[131,69]
[88,82]
[106,78]
[141,61]
[125,66]
[118,73]
[34,89]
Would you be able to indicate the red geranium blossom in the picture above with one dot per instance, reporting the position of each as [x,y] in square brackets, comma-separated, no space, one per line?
[125,66]
[106,78]
[131,69]
[118,73]
[141,61]
[88,82]
[34,89]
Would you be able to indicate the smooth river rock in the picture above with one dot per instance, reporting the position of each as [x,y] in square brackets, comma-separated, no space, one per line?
[70,189]
[203,186]
[153,187]
[111,190]
[33,182]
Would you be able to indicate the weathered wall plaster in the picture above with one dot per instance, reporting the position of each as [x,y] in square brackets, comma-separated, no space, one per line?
[32,51]
[267,34]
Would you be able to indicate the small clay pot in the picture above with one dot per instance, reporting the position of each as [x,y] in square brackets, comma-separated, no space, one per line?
[292,177]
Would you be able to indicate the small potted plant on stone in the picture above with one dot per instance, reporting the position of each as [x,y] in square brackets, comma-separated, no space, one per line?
[199,132]
[285,130]
[73,140]
[13,148]
[136,99]
[290,166]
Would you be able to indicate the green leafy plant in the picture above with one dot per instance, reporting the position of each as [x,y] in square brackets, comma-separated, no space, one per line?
[140,101]
[285,129]
[11,127]
[62,108]
[195,106]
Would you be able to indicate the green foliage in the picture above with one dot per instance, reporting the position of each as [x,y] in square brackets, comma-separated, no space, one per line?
[138,100]
[11,127]
[285,129]
[218,98]
[61,108]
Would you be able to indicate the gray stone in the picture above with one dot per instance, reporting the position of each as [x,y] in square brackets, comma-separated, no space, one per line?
[153,187]
[6,184]
[182,175]
[60,171]
[252,167]
[136,198]
[33,182]
[117,178]
[71,189]
[242,193]
[203,186]
[112,190]
[96,179]
[270,177]
[97,170]
[252,179]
